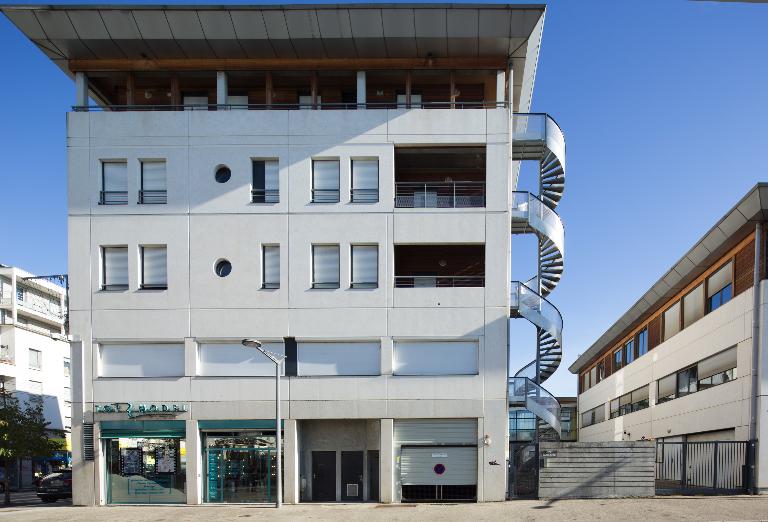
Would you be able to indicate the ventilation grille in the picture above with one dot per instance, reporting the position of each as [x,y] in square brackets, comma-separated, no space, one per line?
[88,441]
[352,490]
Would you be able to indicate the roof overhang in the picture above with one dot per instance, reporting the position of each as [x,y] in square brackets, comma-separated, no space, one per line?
[75,34]
[727,233]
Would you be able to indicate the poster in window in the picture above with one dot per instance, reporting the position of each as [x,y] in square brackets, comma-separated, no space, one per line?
[130,461]
[165,459]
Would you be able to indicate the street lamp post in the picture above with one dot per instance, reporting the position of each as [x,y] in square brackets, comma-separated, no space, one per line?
[277,359]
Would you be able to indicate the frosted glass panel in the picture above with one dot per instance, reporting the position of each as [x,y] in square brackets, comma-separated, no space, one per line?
[436,358]
[154,266]
[325,174]
[141,360]
[693,306]
[338,359]
[115,176]
[236,360]
[115,266]
[365,264]
[718,363]
[667,386]
[325,265]
[672,321]
[271,266]
[271,175]
[365,174]
[153,175]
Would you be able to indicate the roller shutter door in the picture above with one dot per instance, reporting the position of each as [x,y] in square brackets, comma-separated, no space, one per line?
[435,432]
[438,465]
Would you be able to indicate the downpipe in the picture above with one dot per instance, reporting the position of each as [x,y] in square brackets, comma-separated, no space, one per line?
[753,407]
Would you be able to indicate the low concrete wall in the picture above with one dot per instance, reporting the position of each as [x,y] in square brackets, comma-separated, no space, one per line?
[597,469]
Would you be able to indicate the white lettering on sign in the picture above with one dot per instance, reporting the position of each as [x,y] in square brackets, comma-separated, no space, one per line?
[439,455]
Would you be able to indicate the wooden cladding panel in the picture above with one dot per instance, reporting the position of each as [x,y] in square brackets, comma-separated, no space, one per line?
[743,270]
[654,333]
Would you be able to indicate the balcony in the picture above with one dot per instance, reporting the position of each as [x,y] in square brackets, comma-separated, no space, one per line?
[467,194]
[439,266]
[150,197]
[113,197]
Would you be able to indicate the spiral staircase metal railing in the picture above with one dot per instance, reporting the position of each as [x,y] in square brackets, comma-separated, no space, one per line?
[537,137]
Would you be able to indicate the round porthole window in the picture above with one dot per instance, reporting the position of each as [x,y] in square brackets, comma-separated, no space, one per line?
[223,268]
[223,174]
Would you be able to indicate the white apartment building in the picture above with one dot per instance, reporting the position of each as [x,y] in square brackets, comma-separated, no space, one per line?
[335,181]
[34,359]
[687,362]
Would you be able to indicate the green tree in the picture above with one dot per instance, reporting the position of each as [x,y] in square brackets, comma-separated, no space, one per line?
[24,433]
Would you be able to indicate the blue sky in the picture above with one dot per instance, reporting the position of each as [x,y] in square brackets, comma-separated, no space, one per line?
[664,104]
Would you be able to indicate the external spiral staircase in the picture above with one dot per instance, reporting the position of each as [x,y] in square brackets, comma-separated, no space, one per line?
[538,138]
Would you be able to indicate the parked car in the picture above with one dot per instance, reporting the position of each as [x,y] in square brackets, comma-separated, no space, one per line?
[55,486]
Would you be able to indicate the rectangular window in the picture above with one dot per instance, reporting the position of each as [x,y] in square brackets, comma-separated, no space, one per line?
[154,189]
[618,359]
[614,408]
[325,266]
[35,359]
[600,372]
[141,360]
[341,358]
[67,365]
[154,267]
[629,352]
[718,369]
[36,388]
[114,183]
[20,294]
[265,186]
[325,181]
[586,382]
[114,269]
[593,416]
[365,181]
[365,266]
[672,320]
[693,306]
[666,388]
[67,393]
[687,381]
[435,358]
[642,343]
[270,259]
[236,360]
[720,287]
[593,376]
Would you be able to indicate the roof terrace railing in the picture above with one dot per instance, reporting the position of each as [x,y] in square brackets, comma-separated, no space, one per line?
[295,106]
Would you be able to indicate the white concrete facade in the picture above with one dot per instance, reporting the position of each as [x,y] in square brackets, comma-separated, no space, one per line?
[34,352]
[205,221]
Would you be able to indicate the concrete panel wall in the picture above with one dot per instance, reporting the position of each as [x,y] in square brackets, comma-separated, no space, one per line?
[597,470]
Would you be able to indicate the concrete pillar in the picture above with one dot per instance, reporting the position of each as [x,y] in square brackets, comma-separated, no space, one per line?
[762,391]
[194,463]
[98,465]
[14,306]
[501,87]
[81,89]
[387,355]
[511,88]
[190,357]
[221,88]
[290,462]
[387,462]
[361,86]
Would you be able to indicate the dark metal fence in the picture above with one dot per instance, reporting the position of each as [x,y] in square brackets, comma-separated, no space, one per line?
[703,468]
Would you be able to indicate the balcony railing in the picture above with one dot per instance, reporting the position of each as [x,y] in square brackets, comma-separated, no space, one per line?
[297,106]
[46,308]
[325,195]
[153,197]
[439,281]
[113,197]
[364,195]
[456,194]
[265,196]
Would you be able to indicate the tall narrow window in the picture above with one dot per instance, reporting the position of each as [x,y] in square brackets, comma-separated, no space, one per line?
[114,183]
[693,306]
[325,181]
[114,269]
[672,320]
[365,266]
[365,181]
[642,342]
[618,360]
[154,267]
[720,287]
[35,359]
[629,352]
[325,266]
[153,183]
[270,255]
[687,381]
[265,187]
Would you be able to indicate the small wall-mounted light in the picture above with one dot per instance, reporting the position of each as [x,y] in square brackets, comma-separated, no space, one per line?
[148,94]
[443,263]
[487,440]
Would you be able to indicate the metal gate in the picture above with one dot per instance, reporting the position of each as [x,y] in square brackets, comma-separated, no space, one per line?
[523,470]
[703,468]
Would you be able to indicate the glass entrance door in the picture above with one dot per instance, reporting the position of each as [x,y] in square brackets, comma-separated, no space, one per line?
[240,468]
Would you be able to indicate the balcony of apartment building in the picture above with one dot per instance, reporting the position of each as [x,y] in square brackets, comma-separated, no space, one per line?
[36,307]
[440,177]
[439,274]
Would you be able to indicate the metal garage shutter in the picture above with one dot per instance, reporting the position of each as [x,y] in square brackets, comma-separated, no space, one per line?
[435,431]
[438,465]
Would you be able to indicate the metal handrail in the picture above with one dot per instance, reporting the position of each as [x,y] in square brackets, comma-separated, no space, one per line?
[439,281]
[326,195]
[265,196]
[440,194]
[521,293]
[113,197]
[537,399]
[153,197]
[364,195]
[540,216]
[296,106]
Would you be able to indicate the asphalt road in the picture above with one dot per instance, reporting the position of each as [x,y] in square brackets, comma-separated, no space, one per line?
[29,499]
[699,509]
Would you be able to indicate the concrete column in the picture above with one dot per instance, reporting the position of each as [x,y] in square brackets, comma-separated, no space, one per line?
[387,462]
[98,466]
[81,89]
[190,357]
[387,355]
[194,463]
[221,88]
[361,86]
[290,462]
[14,313]
[501,88]
[511,87]
[762,399]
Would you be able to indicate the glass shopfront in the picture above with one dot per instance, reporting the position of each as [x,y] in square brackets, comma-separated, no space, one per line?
[239,460]
[146,462]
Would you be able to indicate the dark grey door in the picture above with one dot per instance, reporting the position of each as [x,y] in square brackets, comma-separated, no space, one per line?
[352,475]
[324,476]
[373,475]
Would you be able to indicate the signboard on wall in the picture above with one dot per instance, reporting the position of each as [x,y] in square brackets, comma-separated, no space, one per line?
[141,409]
[213,477]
